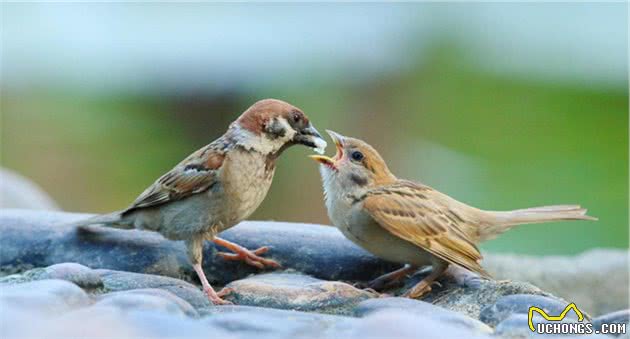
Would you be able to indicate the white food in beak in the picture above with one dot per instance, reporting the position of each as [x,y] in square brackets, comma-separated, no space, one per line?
[320,145]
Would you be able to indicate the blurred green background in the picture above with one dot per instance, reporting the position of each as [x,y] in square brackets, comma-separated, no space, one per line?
[502,106]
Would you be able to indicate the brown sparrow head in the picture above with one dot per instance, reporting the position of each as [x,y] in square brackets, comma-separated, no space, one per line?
[355,168]
[270,126]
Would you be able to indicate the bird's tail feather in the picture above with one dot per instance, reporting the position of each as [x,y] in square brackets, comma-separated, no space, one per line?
[500,222]
[113,219]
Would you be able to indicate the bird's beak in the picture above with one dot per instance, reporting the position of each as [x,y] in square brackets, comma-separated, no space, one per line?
[338,140]
[327,161]
[324,160]
[309,136]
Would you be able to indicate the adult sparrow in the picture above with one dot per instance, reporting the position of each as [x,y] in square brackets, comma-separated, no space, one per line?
[219,185]
[411,223]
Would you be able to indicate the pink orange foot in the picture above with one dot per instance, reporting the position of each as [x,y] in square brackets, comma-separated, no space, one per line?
[216,298]
[252,258]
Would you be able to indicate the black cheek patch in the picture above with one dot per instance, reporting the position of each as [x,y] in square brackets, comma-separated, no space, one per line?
[359,180]
[276,129]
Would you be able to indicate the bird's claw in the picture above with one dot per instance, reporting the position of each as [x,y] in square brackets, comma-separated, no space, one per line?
[251,258]
[417,291]
[382,283]
[392,279]
[421,289]
[376,284]
[215,298]
[261,250]
[225,291]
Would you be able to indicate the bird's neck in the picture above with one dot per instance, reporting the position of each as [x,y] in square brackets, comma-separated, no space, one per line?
[256,142]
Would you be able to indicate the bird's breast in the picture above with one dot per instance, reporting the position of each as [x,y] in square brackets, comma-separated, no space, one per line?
[247,177]
[363,230]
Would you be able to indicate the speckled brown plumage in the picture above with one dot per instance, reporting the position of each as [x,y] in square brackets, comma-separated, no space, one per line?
[411,223]
[219,185]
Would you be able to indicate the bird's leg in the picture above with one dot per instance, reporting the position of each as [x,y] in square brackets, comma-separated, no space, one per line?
[464,277]
[241,253]
[424,286]
[212,295]
[195,254]
[391,278]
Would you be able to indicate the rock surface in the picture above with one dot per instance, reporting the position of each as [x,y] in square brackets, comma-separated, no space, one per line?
[148,300]
[44,296]
[520,304]
[115,281]
[596,280]
[17,191]
[296,292]
[401,324]
[140,286]
[466,293]
[78,274]
[261,322]
[324,253]
[417,307]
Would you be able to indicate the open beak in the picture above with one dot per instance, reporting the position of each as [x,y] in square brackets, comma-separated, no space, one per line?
[309,136]
[327,161]
[324,160]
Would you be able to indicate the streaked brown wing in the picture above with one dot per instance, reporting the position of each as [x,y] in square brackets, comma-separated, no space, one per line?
[406,210]
[195,174]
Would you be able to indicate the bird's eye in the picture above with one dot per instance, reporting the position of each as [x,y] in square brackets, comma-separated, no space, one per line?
[357,156]
[296,117]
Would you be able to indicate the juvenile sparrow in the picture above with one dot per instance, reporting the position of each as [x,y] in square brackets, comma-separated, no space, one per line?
[219,185]
[411,223]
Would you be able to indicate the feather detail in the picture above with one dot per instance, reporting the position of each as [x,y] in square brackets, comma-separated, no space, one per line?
[499,222]
[408,211]
[195,174]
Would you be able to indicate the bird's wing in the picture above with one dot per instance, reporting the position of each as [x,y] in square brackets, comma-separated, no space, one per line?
[195,174]
[407,211]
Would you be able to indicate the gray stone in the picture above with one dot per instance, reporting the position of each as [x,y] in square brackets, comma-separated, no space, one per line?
[114,281]
[75,273]
[108,322]
[324,252]
[596,280]
[107,281]
[17,191]
[250,322]
[43,296]
[254,322]
[397,323]
[516,325]
[148,299]
[160,325]
[296,292]
[78,274]
[466,293]
[422,308]
[520,304]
